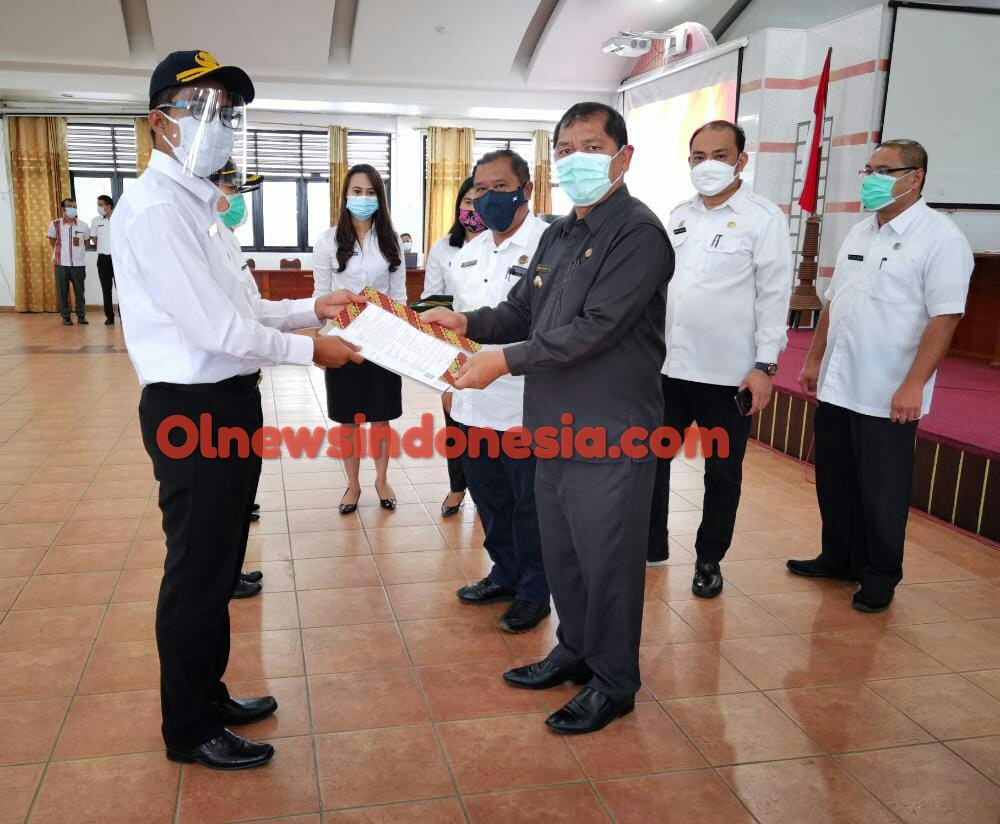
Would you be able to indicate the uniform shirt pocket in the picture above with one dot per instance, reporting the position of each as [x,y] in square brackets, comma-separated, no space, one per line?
[897,284]
[723,257]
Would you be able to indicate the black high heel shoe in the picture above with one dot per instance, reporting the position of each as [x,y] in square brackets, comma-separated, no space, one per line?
[385,503]
[347,509]
[448,511]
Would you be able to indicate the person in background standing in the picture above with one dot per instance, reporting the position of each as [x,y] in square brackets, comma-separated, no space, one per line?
[100,231]
[502,486]
[726,314]
[68,236]
[439,280]
[362,250]
[896,296]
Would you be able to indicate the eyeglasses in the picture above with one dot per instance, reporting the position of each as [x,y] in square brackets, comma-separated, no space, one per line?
[884,170]
[205,110]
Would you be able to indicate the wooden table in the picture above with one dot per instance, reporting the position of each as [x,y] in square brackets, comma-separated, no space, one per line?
[978,333]
[279,284]
[414,284]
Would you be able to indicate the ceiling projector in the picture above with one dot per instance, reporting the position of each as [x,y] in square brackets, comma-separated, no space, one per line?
[627,45]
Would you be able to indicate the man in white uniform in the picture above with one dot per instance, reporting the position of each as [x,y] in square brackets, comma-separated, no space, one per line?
[100,231]
[68,236]
[727,309]
[898,292]
[197,346]
[502,487]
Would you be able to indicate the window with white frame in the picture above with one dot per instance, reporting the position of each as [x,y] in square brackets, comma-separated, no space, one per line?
[101,162]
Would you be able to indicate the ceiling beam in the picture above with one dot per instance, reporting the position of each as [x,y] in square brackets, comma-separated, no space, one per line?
[139,32]
[727,20]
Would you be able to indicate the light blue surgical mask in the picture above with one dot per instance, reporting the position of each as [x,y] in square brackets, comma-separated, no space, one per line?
[583,176]
[71,212]
[876,191]
[362,207]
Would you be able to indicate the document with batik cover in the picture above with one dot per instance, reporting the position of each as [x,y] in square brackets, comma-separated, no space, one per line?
[392,335]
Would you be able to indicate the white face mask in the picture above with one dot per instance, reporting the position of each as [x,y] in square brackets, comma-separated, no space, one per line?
[204,147]
[712,176]
[407,247]
[102,211]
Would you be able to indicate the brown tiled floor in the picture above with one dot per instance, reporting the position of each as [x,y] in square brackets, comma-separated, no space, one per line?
[776,703]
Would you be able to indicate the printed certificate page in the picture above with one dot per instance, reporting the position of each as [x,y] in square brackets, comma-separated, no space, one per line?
[397,344]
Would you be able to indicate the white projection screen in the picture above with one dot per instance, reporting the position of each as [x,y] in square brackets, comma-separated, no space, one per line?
[662,114]
[944,91]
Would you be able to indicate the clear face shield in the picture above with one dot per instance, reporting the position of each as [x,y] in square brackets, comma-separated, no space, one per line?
[210,129]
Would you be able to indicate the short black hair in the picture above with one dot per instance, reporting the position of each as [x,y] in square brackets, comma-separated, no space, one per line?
[106,200]
[65,200]
[405,234]
[517,163]
[614,123]
[913,153]
[738,134]
[161,98]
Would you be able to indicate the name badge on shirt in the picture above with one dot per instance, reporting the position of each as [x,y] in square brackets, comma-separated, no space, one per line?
[467,263]
[859,258]
[680,230]
[517,271]
[542,269]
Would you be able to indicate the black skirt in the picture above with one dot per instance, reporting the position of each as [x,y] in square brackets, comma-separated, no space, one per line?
[363,389]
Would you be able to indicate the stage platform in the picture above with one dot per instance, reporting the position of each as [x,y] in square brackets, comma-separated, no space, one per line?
[957,470]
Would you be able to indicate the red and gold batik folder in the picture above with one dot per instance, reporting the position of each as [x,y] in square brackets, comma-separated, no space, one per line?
[393,335]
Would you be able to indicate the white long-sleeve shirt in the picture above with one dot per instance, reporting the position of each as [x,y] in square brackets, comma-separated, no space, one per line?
[889,281]
[366,267]
[438,278]
[185,315]
[727,304]
[483,275]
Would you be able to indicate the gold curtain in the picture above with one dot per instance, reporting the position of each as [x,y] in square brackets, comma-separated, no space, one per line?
[338,169]
[449,162]
[40,180]
[143,144]
[541,203]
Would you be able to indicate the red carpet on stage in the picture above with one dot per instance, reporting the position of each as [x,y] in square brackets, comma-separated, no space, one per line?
[965,410]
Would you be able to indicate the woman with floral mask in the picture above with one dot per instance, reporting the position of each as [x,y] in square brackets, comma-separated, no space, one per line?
[438,281]
[363,249]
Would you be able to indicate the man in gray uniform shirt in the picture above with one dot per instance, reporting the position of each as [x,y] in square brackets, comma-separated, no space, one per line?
[590,311]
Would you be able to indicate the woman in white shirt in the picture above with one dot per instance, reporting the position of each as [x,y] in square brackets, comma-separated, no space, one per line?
[362,250]
[439,280]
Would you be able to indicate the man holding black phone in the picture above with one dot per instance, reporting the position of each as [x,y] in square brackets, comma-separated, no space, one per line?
[726,322]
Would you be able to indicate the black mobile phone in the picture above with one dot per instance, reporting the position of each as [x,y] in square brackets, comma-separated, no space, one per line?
[744,401]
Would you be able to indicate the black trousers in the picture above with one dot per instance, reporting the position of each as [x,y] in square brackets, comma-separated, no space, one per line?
[456,467]
[76,275]
[593,519]
[106,272]
[504,491]
[864,475]
[206,517]
[711,406]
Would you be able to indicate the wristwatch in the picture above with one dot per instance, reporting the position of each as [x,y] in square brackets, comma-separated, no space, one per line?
[769,369]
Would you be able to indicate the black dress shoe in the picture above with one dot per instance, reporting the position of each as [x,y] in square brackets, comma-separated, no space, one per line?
[238,711]
[543,675]
[254,516]
[448,511]
[817,568]
[109,322]
[589,711]
[385,503]
[485,592]
[347,509]
[871,602]
[252,577]
[246,589]
[225,752]
[83,321]
[522,616]
[67,322]
[707,581]
[255,508]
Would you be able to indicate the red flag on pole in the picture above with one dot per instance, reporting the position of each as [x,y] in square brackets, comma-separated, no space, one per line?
[810,186]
